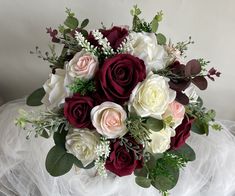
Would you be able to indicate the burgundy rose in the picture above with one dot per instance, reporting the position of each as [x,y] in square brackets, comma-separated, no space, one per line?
[123,162]
[182,133]
[115,36]
[77,110]
[119,75]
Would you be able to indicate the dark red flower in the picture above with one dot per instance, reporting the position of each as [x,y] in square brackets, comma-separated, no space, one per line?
[182,133]
[119,75]
[77,110]
[123,161]
[115,36]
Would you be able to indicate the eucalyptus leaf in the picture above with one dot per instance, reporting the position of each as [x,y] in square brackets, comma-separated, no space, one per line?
[84,23]
[151,163]
[45,134]
[35,98]
[71,22]
[161,39]
[166,182]
[200,127]
[154,124]
[58,161]
[186,151]
[154,25]
[59,138]
[141,172]
[143,181]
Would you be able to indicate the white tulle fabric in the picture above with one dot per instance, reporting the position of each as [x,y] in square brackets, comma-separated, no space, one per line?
[22,166]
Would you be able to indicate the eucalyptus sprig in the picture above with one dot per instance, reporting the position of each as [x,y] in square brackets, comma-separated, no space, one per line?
[42,123]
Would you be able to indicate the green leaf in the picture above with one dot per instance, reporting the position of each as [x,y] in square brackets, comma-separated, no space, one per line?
[161,39]
[143,182]
[84,32]
[141,172]
[200,127]
[35,98]
[166,182]
[84,23]
[59,138]
[151,163]
[154,124]
[71,22]
[58,161]
[45,134]
[154,25]
[186,151]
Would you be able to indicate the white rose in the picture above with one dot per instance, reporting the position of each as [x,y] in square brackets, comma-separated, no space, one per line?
[109,119]
[82,144]
[160,141]
[83,65]
[151,97]
[191,93]
[55,90]
[145,46]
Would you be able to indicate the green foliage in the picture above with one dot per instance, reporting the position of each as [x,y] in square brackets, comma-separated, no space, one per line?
[203,117]
[183,46]
[162,170]
[82,86]
[35,98]
[161,39]
[58,161]
[154,124]
[42,123]
[84,23]
[140,25]
[138,128]
[203,64]
[185,152]
[60,137]
[143,182]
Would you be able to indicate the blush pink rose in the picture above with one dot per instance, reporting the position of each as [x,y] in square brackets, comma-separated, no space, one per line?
[176,110]
[109,119]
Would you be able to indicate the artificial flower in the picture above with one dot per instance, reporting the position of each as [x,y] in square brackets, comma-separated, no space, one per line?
[55,90]
[144,46]
[77,110]
[123,162]
[119,75]
[82,144]
[109,119]
[151,97]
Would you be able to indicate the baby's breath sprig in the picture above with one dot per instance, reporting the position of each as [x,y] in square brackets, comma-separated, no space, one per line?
[85,44]
[125,46]
[102,152]
[103,41]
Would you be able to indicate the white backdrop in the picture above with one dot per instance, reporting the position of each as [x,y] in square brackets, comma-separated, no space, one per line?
[211,23]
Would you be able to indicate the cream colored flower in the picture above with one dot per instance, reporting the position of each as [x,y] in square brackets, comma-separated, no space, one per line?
[83,65]
[82,144]
[109,119]
[55,90]
[144,46]
[151,97]
[160,141]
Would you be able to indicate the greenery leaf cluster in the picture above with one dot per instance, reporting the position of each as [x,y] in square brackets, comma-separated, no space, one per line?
[82,86]
[140,128]
[203,117]
[162,170]
[140,25]
[58,160]
[34,99]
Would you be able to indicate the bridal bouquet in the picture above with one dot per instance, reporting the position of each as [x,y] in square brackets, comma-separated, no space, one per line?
[122,100]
